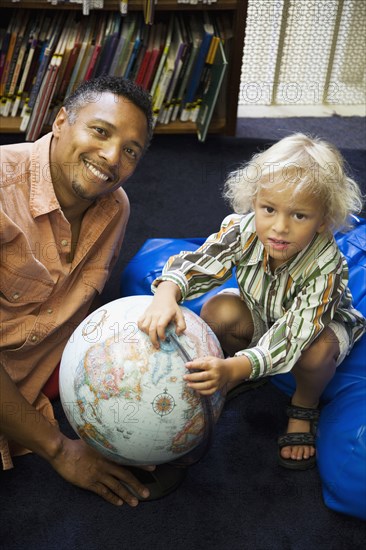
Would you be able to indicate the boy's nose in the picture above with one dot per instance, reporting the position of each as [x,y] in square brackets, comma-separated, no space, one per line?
[281,224]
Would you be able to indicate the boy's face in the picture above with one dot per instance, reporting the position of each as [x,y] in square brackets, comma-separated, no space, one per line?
[286,224]
[99,151]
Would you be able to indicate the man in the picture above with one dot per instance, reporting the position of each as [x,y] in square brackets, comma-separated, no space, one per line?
[63,219]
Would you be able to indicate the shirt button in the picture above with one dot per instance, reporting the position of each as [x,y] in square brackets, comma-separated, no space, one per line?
[34,338]
[64,242]
[16,295]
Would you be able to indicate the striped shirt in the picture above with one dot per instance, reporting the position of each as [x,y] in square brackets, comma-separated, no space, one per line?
[295,303]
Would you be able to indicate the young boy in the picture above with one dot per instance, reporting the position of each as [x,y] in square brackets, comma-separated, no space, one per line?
[293,309]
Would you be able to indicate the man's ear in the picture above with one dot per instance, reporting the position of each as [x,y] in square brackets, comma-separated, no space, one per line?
[60,120]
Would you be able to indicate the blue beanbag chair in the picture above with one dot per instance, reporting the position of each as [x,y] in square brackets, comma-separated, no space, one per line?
[341,437]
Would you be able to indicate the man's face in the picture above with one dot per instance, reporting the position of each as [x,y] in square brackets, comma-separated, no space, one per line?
[99,151]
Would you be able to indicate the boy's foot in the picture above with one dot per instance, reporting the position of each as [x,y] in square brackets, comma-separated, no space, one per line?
[297,446]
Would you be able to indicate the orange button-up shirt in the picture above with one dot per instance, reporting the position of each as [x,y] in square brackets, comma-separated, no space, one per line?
[44,297]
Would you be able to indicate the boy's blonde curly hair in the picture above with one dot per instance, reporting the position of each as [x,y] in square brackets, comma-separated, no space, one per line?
[305,164]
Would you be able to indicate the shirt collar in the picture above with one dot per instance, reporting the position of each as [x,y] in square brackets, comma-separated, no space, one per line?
[42,195]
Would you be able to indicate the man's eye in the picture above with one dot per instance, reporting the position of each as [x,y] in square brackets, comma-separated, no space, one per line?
[131,153]
[100,131]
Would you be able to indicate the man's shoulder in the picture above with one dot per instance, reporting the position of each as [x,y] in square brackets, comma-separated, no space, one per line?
[120,197]
[17,158]
[14,153]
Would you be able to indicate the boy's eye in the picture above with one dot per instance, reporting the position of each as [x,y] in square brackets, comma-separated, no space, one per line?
[300,216]
[269,209]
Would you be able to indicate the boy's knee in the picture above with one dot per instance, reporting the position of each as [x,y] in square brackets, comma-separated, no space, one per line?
[228,315]
[322,352]
[221,308]
[212,309]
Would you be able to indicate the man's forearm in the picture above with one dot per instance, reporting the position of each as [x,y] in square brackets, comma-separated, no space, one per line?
[22,423]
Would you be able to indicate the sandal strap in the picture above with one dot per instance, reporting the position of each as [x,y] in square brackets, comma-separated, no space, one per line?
[296,438]
[302,413]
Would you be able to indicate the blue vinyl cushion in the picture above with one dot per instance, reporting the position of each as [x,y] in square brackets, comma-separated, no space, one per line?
[341,438]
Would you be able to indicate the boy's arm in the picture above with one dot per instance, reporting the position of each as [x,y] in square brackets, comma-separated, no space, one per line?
[197,272]
[74,460]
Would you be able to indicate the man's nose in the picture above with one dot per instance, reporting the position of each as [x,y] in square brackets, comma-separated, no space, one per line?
[111,153]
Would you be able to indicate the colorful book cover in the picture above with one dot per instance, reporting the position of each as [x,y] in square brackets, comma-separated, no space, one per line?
[212,91]
[192,85]
[158,45]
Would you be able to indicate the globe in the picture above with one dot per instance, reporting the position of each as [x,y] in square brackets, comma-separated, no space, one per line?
[127,399]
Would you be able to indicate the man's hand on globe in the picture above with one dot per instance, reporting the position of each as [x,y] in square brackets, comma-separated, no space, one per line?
[79,464]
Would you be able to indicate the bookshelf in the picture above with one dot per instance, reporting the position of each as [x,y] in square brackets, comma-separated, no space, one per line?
[224,118]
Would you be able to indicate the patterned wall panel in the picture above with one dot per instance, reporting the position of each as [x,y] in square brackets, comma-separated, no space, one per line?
[304,52]
[347,83]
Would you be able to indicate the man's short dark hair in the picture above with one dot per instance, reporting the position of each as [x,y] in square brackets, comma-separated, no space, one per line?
[90,91]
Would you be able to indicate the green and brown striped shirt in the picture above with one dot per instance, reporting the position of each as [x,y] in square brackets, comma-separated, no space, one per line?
[295,303]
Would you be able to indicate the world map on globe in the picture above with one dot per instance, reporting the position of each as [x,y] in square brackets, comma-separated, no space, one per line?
[128,399]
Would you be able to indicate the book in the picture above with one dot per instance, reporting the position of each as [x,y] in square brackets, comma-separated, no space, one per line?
[177,51]
[69,42]
[17,63]
[205,77]
[13,33]
[136,44]
[194,79]
[85,53]
[145,33]
[98,39]
[162,83]
[5,46]
[47,50]
[73,48]
[47,89]
[109,45]
[194,31]
[128,30]
[211,93]
[147,56]
[157,48]
[32,43]
[163,57]
[132,47]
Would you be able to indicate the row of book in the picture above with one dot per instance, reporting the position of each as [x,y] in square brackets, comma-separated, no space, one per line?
[45,55]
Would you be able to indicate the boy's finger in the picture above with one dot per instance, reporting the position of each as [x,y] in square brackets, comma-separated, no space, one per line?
[180,324]
[195,365]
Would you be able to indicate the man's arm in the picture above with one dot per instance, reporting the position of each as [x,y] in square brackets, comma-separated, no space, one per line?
[74,460]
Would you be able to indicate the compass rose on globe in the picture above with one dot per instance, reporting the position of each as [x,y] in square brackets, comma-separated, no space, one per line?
[163,403]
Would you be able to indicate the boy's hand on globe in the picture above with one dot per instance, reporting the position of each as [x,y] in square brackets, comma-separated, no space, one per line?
[79,464]
[163,310]
[210,374]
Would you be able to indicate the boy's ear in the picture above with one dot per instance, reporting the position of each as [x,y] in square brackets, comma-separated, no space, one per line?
[59,121]
[323,227]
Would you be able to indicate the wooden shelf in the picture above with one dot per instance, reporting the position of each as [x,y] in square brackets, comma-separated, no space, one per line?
[171,5]
[11,125]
